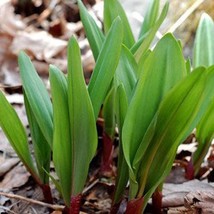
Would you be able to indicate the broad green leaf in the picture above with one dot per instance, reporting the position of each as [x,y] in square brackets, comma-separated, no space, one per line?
[82,121]
[37,96]
[204,44]
[178,114]
[106,65]
[62,154]
[204,56]
[150,17]
[16,134]
[188,66]
[142,45]
[109,113]
[94,34]
[42,150]
[126,72]
[122,167]
[164,67]
[204,136]
[113,9]
[142,61]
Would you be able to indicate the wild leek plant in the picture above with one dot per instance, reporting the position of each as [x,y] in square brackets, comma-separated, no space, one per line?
[75,135]
[39,113]
[159,77]
[124,71]
[150,95]
[204,56]
[69,125]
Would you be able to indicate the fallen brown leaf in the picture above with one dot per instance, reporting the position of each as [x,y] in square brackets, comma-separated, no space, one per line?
[10,22]
[7,164]
[16,177]
[40,45]
[200,201]
[174,193]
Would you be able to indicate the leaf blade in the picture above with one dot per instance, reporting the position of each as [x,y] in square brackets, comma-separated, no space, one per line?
[16,134]
[113,9]
[93,33]
[204,45]
[42,150]
[103,72]
[62,137]
[82,120]
[37,96]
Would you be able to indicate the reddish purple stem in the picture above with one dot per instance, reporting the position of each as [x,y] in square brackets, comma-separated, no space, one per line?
[47,193]
[190,170]
[106,165]
[75,205]
[115,208]
[135,206]
[157,202]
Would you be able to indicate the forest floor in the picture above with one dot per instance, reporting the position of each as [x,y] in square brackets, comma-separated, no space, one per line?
[42,29]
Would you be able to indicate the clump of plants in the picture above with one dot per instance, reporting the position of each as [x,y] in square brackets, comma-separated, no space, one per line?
[153,96]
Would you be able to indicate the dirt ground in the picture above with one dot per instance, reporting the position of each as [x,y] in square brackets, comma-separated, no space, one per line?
[43,34]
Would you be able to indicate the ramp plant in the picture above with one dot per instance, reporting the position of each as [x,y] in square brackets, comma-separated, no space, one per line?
[75,135]
[137,120]
[204,56]
[124,72]
[150,95]
[74,125]
[39,113]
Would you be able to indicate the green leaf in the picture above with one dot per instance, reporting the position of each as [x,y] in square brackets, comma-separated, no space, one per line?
[122,167]
[37,96]
[109,113]
[163,68]
[94,34]
[204,45]
[104,71]
[177,116]
[204,136]
[188,66]
[113,9]
[150,17]
[82,120]
[126,72]
[62,155]
[142,45]
[16,134]
[42,150]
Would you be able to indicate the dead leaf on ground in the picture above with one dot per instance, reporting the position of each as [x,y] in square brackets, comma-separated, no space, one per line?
[5,147]
[176,175]
[10,22]
[174,193]
[3,201]
[16,177]
[15,98]
[200,201]
[7,164]
[9,71]
[39,44]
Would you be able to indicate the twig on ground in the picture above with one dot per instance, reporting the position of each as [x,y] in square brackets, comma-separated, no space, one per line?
[185,15]
[32,201]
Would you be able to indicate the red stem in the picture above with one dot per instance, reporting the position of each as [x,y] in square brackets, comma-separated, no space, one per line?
[135,206]
[47,193]
[75,205]
[115,208]
[157,202]
[190,170]
[106,164]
